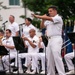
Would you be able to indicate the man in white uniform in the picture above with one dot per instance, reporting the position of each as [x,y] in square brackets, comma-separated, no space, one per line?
[68,58]
[32,44]
[14,27]
[53,22]
[8,43]
[28,25]
[39,56]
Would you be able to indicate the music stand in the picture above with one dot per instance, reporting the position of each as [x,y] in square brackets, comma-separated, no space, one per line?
[19,45]
[45,41]
[71,36]
[3,51]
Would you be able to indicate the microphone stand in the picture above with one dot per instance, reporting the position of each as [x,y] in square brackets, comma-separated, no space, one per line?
[4,26]
[21,30]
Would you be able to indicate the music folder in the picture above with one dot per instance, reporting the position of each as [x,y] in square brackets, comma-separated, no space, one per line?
[19,43]
[71,36]
[3,50]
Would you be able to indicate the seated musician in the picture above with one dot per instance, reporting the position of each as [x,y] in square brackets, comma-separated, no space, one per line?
[8,43]
[68,58]
[39,56]
[32,44]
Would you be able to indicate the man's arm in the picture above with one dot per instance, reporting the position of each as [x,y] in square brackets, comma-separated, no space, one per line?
[44,17]
[30,42]
[11,47]
[42,24]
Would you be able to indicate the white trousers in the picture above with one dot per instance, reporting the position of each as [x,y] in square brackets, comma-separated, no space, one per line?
[6,60]
[54,56]
[68,60]
[35,58]
[31,56]
[27,56]
[20,56]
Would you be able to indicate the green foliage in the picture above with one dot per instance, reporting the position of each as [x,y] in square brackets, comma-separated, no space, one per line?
[36,22]
[22,16]
[36,5]
[66,7]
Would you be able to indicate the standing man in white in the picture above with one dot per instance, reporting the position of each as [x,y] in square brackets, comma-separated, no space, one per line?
[28,25]
[14,27]
[53,22]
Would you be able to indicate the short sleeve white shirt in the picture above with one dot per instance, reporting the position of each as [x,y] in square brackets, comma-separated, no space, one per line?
[9,42]
[35,40]
[26,30]
[14,27]
[54,28]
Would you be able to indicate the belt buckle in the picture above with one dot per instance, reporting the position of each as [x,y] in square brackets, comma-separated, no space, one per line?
[49,37]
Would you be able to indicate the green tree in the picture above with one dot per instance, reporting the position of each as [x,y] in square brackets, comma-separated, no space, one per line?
[66,7]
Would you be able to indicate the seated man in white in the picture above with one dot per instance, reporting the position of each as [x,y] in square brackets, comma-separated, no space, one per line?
[8,43]
[32,44]
[39,56]
[68,58]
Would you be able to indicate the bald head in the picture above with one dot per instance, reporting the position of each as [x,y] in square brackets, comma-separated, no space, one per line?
[32,32]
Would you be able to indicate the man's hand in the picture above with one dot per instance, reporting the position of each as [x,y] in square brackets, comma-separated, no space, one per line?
[34,15]
[25,38]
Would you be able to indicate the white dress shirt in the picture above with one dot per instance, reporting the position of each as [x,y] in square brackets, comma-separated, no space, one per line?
[14,27]
[54,28]
[35,40]
[8,42]
[26,29]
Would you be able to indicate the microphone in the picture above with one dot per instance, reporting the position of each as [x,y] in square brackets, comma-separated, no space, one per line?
[4,22]
[21,24]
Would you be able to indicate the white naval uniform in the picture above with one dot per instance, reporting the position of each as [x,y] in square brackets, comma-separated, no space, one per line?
[54,31]
[26,34]
[26,29]
[12,52]
[14,27]
[68,58]
[31,51]
[39,56]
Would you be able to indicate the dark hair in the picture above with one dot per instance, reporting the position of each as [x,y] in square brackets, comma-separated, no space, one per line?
[8,30]
[29,19]
[53,7]
[13,16]
[1,31]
